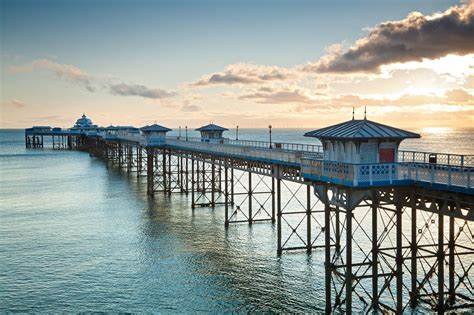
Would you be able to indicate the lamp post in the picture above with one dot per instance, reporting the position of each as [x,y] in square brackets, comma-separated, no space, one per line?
[179,132]
[186,131]
[270,133]
[237,133]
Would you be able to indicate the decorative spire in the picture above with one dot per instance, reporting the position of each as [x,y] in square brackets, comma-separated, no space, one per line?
[353,112]
[365,112]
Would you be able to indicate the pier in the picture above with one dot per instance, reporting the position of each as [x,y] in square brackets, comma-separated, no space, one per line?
[415,209]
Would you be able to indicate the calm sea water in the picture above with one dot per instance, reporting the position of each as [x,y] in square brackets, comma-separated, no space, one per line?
[76,236]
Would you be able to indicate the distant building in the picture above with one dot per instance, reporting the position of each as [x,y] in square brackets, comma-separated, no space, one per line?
[38,129]
[84,124]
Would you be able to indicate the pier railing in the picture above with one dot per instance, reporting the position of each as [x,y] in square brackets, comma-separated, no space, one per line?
[436,158]
[256,153]
[382,174]
[256,144]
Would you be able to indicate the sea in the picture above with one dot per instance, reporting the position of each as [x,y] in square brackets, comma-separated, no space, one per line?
[77,236]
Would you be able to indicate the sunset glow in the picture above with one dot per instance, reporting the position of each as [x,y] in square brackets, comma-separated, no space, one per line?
[196,78]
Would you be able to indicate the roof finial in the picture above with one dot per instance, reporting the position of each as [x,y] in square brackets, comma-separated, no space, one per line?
[353,112]
[365,112]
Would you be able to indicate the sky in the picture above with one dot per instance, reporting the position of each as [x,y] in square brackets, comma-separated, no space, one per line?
[290,63]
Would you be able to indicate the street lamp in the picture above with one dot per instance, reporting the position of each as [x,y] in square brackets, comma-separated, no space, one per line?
[237,133]
[179,132]
[186,131]
[270,133]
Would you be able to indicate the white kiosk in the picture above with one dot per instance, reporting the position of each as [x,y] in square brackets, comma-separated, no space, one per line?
[361,142]
[154,131]
[212,133]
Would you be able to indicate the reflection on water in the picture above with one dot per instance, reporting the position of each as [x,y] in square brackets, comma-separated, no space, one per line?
[75,236]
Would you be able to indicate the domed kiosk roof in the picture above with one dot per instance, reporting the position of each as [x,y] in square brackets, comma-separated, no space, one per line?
[211,127]
[84,122]
[155,127]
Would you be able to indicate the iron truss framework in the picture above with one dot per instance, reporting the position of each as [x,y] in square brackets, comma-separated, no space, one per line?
[397,249]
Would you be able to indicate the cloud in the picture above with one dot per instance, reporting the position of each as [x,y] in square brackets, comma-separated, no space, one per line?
[14,103]
[62,71]
[458,99]
[469,82]
[459,96]
[268,95]
[246,73]
[412,39]
[90,82]
[124,89]
[190,108]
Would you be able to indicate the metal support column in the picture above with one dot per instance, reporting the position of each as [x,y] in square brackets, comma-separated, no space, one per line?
[452,293]
[192,182]
[273,195]
[414,253]
[279,247]
[399,258]
[375,251]
[348,280]
[327,249]
[250,197]
[213,184]
[165,172]
[440,264]
[226,193]
[338,230]
[309,241]
[150,172]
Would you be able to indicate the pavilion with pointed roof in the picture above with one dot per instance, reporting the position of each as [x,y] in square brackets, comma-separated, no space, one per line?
[361,141]
[155,130]
[211,131]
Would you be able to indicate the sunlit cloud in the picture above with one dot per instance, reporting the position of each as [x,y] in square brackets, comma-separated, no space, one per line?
[124,89]
[190,108]
[246,73]
[61,71]
[415,38]
[13,103]
[268,95]
[92,83]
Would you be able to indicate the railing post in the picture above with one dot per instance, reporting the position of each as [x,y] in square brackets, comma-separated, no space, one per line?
[432,168]
[469,178]
[449,175]
[355,170]
[370,174]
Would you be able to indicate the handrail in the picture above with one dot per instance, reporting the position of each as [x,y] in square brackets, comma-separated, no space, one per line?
[255,143]
[390,173]
[436,158]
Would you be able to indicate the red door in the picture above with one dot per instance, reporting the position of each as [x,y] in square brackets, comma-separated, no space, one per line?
[387,155]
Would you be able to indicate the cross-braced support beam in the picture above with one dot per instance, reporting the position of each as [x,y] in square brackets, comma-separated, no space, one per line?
[395,255]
